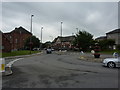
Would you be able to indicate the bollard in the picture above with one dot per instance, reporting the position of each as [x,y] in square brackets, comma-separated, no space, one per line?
[115,55]
[2,65]
[60,52]
[82,55]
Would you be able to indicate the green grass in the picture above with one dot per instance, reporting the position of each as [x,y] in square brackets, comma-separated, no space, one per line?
[17,53]
[110,51]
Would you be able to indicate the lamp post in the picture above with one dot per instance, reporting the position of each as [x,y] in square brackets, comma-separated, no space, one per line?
[31,23]
[31,33]
[61,35]
[77,30]
[41,38]
[51,41]
[72,34]
[51,37]
[61,28]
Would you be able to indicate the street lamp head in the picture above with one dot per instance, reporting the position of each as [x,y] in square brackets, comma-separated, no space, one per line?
[41,27]
[61,22]
[32,15]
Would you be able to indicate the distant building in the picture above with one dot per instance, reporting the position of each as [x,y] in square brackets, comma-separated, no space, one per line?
[63,42]
[101,38]
[115,35]
[17,38]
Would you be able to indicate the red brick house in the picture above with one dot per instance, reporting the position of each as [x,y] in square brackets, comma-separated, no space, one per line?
[63,42]
[17,38]
[5,45]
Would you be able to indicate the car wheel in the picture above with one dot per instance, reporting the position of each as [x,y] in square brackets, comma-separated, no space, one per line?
[111,65]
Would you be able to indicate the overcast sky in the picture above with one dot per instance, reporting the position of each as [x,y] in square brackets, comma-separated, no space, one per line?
[96,18]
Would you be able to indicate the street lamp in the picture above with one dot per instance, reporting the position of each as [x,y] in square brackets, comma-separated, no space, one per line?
[51,37]
[41,37]
[77,30]
[61,34]
[72,34]
[31,33]
[31,23]
[51,41]
[61,28]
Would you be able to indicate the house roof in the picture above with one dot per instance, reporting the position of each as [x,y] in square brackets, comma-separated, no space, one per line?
[114,31]
[65,39]
[102,37]
[21,30]
[3,35]
[54,40]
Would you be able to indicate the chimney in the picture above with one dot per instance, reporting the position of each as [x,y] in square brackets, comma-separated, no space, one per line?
[16,28]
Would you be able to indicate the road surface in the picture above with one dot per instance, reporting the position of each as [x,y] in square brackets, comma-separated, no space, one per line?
[60,71]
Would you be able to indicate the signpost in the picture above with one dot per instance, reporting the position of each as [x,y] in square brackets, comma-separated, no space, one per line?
[2,65]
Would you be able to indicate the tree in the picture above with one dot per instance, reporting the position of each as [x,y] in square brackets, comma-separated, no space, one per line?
[46,44]
[35,42]
[83,40]
[105,44]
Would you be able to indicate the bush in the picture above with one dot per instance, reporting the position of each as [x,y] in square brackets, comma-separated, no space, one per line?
[118,47]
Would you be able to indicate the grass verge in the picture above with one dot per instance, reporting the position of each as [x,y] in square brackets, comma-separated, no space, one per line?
[18,53]
[110,52]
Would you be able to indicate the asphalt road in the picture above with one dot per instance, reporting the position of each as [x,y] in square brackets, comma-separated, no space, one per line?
[60,71]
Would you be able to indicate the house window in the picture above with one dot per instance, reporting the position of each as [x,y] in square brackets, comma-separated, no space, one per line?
[16,40]
[10,37]
[1,47]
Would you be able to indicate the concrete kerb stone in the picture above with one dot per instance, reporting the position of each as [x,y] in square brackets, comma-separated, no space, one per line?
[91,59]
[7,72]
[8,67]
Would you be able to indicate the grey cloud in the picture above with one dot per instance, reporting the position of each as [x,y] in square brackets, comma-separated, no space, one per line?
[95,17]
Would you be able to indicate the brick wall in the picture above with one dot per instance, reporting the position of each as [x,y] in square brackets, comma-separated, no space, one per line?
[6,45]
[18,40]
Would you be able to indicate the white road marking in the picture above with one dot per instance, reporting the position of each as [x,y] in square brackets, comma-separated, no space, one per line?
[10,63]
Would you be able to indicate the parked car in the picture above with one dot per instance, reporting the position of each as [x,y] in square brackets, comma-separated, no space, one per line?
[36,49]
[49,51]
[53,49]
[111,62]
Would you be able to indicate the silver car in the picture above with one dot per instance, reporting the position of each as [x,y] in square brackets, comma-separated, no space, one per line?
[112,62]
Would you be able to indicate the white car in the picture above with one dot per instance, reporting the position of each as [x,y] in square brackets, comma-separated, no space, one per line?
[112,62]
